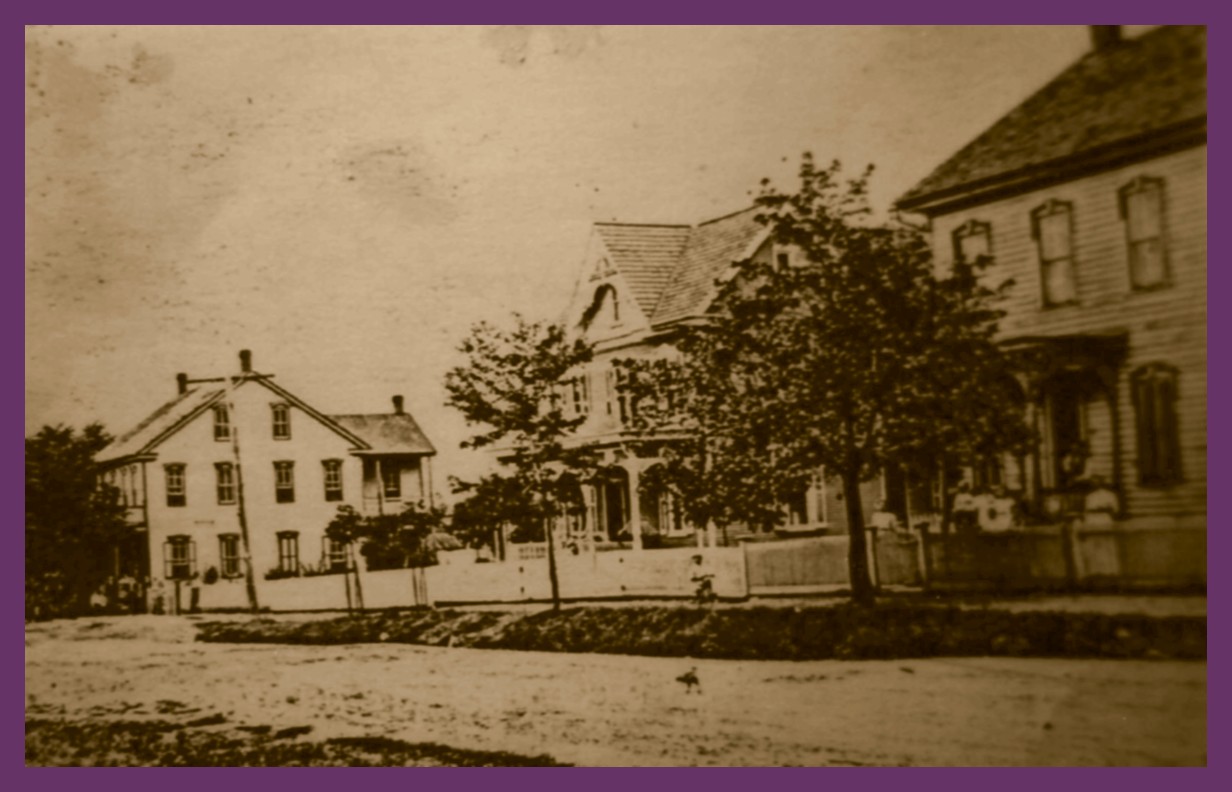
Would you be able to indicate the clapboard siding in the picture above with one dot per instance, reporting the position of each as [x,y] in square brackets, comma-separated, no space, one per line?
[1166,325]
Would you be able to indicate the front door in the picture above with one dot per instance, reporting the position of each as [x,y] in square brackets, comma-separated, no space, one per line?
[1068,429]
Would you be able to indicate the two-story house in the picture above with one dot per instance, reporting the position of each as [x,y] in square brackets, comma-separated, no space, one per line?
[639,284]
[1091,197]
[236,473]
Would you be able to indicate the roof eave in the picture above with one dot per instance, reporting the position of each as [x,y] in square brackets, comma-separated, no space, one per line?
[1177,137]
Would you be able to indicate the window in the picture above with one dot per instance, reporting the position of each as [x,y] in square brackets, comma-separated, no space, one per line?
[820,495]
[333,479]
[133,472]
[618,380]
[579,389]
[284,482]
[288,552]
[229,555]
[282,421]
[222,422]
[175,485]
[1159,445]
[784,260]
[615,306]
[1052,227]
[796,505]
[179,558]
[972,241]
[335,553]
[1142,209]
[224,473]
[391,481]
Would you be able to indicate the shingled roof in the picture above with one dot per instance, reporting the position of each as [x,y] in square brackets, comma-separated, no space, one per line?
[387,433]
[713,246]
[1135,89]
[645,254]
[145,435]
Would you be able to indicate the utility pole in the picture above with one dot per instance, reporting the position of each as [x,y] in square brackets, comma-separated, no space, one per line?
[249,580]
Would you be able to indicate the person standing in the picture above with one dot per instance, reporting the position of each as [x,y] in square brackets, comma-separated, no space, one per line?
[965,510]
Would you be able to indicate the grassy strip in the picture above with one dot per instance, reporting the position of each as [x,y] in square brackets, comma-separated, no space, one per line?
[161,744]
[845,632]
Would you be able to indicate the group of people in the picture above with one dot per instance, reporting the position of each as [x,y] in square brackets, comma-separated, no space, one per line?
[997,510]
[991,510]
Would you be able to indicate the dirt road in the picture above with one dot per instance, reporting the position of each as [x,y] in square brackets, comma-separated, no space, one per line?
[616,710]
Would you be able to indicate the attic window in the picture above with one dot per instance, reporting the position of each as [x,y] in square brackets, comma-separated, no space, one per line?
[605,307]
[222,422]
[282,421]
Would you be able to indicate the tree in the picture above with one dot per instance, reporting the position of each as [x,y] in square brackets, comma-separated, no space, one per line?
[689,414]
[493,503]
[851,353]
[389,541]
[510,388]
[74,525]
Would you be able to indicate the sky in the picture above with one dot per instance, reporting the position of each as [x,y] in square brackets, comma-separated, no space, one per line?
[347,202]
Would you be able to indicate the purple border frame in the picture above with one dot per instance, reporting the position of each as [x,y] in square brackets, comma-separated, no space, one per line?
[16,16]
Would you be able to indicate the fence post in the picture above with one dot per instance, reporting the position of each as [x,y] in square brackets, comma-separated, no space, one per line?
[921,556]
[870,547]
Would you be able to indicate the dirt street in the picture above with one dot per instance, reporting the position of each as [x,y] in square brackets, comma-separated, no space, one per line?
[616,710]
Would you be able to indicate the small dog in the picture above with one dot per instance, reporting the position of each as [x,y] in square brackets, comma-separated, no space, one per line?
[690,681]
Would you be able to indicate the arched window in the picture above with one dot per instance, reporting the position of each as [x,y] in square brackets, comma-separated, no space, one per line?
[1159,444]
[604,310]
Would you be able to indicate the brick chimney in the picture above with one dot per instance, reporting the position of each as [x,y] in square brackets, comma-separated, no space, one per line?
[1105,37]
[245,361]
[397,405]
[181,383]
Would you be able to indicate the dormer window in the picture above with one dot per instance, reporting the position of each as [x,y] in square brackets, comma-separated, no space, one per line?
[1142,208]
[1053,228]
[282,421]
[972,241]
[222,422]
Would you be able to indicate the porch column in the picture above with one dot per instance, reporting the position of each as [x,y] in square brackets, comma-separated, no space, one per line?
[633,468]
[1108,376]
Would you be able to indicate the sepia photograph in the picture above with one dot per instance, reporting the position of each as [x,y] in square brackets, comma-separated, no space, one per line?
[615,396]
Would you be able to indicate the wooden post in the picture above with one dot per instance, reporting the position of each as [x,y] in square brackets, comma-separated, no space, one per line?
[635,505]
[353,564]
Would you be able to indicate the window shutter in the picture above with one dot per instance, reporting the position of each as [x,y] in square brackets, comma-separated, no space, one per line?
[166,559]
[192,558]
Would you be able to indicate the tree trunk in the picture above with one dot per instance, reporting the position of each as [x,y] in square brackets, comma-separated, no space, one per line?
[862,592]
[547,530]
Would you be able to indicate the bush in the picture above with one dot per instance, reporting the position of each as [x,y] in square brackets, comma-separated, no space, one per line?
[844,632]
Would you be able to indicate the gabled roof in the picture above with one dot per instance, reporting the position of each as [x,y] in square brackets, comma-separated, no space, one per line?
[169,418]
[388,433]
[645,256]
[159,424]
[712,248]
[1131,91]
